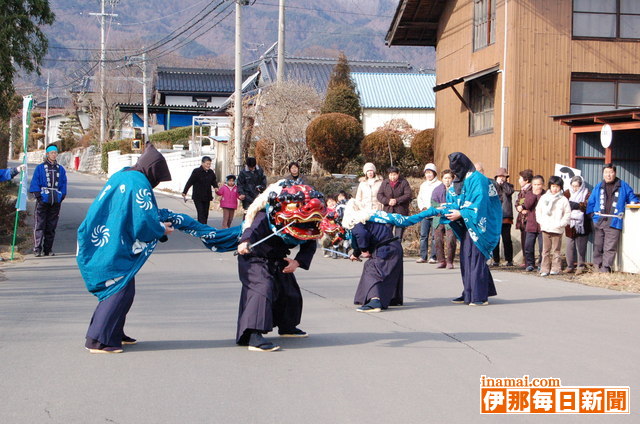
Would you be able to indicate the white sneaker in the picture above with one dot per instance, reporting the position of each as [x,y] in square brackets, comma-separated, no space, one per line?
[544,274]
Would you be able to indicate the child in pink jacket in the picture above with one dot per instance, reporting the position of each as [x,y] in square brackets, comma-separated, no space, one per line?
[228,200]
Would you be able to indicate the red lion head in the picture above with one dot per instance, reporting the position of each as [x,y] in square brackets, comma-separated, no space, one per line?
[301,204]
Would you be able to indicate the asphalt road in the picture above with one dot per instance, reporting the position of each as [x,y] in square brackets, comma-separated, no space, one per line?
[420,363]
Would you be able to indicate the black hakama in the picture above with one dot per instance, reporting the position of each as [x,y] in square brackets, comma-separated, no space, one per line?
[269,297]
[476,276]
[107,322]
[382,274]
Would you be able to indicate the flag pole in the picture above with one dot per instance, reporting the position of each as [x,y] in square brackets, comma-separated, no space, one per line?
[21,203]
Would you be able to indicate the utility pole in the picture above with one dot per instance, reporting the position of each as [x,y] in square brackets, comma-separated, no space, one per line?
[46,115]
[238,89]
[103,101]
[145,108]
[281,25]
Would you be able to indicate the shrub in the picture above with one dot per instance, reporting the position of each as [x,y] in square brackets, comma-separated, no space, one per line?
[123,145]
[422,146]
[377,146]
[180,135]
[334,139]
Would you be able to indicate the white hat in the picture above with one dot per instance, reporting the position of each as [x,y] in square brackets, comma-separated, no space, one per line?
[430,167]
[369,167]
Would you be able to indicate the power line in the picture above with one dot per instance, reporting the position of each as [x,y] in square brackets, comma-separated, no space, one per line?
[193,36]
[329,11]
[162,17]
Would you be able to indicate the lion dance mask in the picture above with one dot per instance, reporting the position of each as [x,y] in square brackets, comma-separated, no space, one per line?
[301,205]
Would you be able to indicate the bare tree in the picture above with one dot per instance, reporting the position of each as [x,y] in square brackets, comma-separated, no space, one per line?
[282,114]
[402,128]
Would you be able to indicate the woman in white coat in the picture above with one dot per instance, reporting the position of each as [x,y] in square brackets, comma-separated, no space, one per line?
[366,196]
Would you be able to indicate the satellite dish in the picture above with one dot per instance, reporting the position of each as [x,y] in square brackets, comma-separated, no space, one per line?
[606,135]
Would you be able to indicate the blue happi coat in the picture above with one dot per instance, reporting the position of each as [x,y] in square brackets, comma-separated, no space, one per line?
[122,228]
[481,210]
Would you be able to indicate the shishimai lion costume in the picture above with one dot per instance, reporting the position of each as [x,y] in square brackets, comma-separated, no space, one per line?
[284,216]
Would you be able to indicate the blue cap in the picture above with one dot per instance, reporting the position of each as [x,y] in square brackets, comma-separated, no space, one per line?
[52,148]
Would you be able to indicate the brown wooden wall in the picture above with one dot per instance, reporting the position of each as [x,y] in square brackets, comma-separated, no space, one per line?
[454,59]
[541,58]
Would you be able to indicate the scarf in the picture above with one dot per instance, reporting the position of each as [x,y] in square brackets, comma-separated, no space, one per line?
[548,201]
[577,216]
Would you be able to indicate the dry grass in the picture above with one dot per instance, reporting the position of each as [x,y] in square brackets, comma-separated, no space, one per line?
[620,281]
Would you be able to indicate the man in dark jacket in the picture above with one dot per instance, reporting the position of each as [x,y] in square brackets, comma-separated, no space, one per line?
[49,187]
[202,179]
[251,181]
[395,196]
[505,191]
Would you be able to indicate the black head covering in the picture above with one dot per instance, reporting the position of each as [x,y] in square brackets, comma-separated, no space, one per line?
[153,165]
[460,165]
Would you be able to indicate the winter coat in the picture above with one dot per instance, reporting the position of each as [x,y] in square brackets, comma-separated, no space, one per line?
[367,195]
[505,191]
[401,192]
[521,219]
[49,183]
[553,212]
[300,178]
[202,181]
[623,194]
[582,206]
[530,203]
[248,181]
[425,194]
[228,196]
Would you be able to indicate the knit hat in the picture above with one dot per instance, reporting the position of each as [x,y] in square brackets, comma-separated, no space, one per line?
[430,167]
[368,167]
[502,172]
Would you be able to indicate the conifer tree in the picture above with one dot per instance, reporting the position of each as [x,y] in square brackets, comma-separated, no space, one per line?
[341,96]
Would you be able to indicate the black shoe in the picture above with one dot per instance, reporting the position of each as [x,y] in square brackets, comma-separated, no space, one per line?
[49,254]
[257,343]
[509,264]
[126,340]
[296,332]
[37,254]
[458,300]
[374,305]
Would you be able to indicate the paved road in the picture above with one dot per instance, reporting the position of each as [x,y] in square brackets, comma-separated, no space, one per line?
[420,363]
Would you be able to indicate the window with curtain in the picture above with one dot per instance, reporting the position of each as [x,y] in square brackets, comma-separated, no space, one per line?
[482,93]
[606,19]
[484,23]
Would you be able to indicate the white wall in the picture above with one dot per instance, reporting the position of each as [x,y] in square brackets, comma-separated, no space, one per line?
[180,163]
[420,119]
[188,101]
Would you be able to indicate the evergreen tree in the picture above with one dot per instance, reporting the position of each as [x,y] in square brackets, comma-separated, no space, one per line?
[23,45]
[36,131]
[341,96]
[69,132]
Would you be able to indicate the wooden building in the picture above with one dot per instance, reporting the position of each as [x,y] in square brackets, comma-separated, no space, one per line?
[505,67]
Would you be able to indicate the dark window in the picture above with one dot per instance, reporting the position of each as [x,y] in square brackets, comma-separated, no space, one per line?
[596,96]
[606,19]
[482,93]
[484,23]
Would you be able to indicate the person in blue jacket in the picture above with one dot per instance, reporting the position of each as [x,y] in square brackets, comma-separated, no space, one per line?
[49,187]
[7,174]
[120,231]
[609,197]
[475,216]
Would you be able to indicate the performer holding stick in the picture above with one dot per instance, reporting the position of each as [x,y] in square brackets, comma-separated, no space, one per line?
[284,216]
